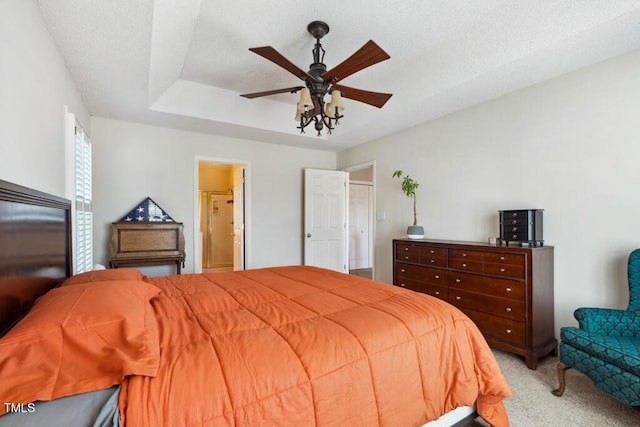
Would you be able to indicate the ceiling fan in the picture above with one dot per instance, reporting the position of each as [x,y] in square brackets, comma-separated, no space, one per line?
[319,81]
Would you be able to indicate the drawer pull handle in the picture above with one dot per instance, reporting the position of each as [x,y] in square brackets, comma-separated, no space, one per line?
[502,270]
[403,285]
[514,214]
[508,290]
[406,257]
[402,270]
[458,280]
[436,276]
[432,261]
[508,331]
[501,258]
[508,309]
[437,292]
[432,251]
[406,249]
[458,298]
[464,265]
[464,254]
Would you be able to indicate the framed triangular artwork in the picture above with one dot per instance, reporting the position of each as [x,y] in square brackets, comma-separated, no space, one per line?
[147,211]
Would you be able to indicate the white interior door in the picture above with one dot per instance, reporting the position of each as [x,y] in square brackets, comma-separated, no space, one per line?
[325,219]
[238,217]
[360,206]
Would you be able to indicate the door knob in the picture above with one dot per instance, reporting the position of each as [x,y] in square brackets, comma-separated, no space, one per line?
[308,234]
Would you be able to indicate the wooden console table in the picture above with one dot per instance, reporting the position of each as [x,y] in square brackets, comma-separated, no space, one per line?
[138,243]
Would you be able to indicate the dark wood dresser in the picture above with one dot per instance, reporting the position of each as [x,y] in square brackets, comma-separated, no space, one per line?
[506,291]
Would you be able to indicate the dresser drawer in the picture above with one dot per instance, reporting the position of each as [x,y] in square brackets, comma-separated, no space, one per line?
[502,307]
[435,276]
[502,258]
[463,264]
[407,249]
[503,329]
[517,222]
[515,229]
[517,237]
[465,255]
[407,271]
[425,288]
[517,214]
[434,252]
[502,288]
[408,256]
[423,274]
[506,270]
[433,261]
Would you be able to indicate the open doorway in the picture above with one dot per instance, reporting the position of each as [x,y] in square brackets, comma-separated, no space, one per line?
[220,210]
[361,219]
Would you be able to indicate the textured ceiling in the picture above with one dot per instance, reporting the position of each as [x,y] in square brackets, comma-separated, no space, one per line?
[183,63]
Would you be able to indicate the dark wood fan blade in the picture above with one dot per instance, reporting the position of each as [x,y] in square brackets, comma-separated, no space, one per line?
[376,99]
[272,92]
[274,56]
[364,57]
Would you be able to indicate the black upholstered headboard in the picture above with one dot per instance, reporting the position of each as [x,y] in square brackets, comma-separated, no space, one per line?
[35,248]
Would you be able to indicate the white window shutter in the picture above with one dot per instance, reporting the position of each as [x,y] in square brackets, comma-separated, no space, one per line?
[83,249]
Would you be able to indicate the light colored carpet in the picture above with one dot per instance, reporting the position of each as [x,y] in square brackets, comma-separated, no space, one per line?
[582,404]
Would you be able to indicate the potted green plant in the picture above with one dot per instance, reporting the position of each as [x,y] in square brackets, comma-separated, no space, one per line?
[409,187]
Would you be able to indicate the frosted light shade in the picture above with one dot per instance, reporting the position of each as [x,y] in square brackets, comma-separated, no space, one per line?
[336,100]
[305,98]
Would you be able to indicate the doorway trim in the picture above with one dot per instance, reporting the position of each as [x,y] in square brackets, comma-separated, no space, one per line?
[197,254]
[356,167]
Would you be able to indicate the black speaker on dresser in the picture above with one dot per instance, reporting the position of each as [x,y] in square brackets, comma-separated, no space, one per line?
[523,226]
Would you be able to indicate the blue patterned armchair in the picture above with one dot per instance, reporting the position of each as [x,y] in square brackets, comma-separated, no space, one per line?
[606,346]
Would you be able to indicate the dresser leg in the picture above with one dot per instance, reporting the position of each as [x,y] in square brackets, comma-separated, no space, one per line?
[532,361]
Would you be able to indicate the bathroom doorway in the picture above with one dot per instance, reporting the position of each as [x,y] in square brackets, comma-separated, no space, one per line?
[221,216]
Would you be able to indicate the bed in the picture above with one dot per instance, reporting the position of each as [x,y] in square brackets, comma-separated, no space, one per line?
[292,345]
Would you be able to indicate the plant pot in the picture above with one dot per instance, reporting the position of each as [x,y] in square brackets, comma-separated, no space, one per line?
[415,232]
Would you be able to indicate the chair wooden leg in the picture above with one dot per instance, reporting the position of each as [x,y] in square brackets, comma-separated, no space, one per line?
[562,368]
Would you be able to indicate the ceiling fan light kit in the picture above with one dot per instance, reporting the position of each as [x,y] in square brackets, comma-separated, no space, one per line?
[318,82]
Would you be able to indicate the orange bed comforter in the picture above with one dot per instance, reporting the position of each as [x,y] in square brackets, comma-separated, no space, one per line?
[303,346]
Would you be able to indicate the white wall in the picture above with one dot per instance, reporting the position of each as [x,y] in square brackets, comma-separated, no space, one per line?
[570,146]
[133,161]
[35,86]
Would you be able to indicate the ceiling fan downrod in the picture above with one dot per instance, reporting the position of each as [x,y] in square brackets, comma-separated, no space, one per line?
[318,29]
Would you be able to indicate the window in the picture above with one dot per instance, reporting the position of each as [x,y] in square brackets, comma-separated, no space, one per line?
[79,191]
